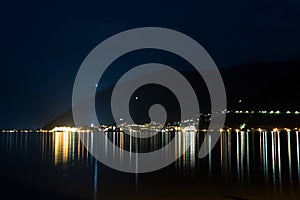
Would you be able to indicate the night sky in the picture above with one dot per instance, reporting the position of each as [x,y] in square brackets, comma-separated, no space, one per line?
[43,43]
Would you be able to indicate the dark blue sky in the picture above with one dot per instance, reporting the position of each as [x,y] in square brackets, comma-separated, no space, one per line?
[44,42]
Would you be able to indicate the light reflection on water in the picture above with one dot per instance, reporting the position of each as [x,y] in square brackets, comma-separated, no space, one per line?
[240,156]
[274,150]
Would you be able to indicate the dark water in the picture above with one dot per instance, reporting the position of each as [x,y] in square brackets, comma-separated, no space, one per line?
[244,165]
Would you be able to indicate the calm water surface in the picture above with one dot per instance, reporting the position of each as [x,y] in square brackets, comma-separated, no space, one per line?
[244,165]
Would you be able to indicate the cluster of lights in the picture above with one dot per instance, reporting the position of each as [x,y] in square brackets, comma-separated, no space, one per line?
[155,126]
[24,131]
[246,111]
[64,129]
[165,129]
[266,112]
[256,129]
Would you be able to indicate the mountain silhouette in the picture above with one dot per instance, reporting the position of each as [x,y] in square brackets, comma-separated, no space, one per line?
[253,87]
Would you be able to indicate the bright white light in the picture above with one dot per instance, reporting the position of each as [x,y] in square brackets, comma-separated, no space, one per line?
[64,129]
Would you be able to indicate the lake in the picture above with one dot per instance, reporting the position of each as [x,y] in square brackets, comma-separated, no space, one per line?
[242,165]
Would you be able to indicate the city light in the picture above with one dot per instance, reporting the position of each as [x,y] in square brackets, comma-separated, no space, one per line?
[64,129]
[259,129]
